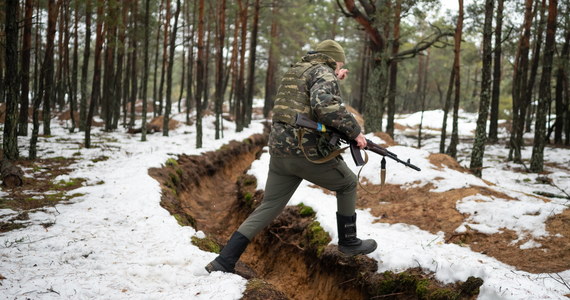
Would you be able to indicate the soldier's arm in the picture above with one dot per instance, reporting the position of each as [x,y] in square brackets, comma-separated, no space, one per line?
[327,105]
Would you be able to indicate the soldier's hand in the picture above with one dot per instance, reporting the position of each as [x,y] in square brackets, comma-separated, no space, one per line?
[361,141]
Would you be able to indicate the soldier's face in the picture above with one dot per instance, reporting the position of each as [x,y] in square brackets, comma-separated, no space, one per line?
[340,72]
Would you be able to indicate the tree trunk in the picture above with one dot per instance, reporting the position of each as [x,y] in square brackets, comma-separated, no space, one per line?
[109,93]
[252,57]
[146,68]
[164,58]
[199,74]
[25,69]
[85,67]
[272,64]
[528,109]
[96,88]
[537,158]
[452,149]
[11,175]
[169,72]
[240,101]
[221,36]
[10,137]
[520,86]
[49,93]
[157,50]
[132,78]
[121,49]
[496,92]
[394,71]
[189,90]
[446,108]
[46,76]
[561,84]
[72,81]
[423,91]
[481,131]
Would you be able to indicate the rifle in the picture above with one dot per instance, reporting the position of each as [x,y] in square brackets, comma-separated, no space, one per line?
[304,121]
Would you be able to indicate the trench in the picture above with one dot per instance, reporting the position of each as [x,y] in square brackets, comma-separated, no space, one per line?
[292,258]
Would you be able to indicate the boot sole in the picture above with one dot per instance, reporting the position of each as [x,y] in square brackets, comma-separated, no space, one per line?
[352,252]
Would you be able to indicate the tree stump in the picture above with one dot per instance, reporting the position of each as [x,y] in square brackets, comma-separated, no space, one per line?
[11,175]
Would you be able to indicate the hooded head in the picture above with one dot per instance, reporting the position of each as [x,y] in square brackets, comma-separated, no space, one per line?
[332,49]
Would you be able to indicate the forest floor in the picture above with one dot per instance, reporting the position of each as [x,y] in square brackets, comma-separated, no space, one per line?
[197,179]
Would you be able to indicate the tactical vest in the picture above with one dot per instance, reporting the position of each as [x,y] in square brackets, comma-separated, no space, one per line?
[293,94]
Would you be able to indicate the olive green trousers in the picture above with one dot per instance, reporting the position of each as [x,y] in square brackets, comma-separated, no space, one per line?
[285,175]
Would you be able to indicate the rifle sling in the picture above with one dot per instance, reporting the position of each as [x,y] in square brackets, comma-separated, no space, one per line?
[323,160]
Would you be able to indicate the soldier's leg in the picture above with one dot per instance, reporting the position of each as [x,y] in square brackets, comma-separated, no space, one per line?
[280,186]
[336,176]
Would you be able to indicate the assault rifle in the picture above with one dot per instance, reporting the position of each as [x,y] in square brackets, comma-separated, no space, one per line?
[304,121]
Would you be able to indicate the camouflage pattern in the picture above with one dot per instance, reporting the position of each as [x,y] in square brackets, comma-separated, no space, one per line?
[309,87]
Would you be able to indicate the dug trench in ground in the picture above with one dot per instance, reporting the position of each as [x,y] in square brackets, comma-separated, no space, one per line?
[291,259]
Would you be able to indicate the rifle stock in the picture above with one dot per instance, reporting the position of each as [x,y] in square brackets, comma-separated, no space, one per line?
[304,121]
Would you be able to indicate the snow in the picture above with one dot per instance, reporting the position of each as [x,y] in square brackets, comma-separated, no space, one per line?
[117,242]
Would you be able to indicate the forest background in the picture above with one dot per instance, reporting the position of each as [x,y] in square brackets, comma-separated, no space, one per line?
[96,60]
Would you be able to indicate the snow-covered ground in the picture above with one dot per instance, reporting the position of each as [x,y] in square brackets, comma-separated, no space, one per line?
[117,242]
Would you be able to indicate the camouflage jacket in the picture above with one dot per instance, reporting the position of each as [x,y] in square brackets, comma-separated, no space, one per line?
[309,87]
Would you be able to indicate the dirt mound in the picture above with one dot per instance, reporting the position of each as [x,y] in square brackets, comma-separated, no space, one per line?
[443,160]
[158,122]
[386,138]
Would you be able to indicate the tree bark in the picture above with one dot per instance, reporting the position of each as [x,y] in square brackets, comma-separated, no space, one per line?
[46,76]
[520,86]
[252,57]
[272,64]
[481,131]
[25,69]
[146,69]
[10,137]
[85,67]
[199,74]
[561,90]
[240,96]
[132,78]
[12,176]
[537,158]
[452,149]
[394,71]
[220,39]
[96,87]
[496,91]
[169,72]
[164,58]
[446,109]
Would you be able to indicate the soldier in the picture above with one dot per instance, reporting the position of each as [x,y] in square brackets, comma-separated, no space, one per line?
[309,87]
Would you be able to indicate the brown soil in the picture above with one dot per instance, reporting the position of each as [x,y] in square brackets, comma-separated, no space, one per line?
[437,212]
[39,192]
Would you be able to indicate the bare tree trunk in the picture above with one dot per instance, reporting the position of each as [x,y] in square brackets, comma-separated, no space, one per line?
[422,94]
[481,131]
[189,90]
[96,88]
[109,92]
[164,58]
[272,64]
[133,74]
[121,49]
[496,92]
[46,76]
[74,70]
[85,67]
[169,72]
[452,149]
[49,92]
[537,158]
[240,100]
[252,57]
[157,50]
[221,36]
[200,74]
[146,69]
[520,86]
[394,71]
[446,109]
[10,137]
[25,69]
[527,109]
[561,77]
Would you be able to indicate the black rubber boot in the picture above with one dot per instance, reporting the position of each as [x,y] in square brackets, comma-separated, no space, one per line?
[230,254]
[348,243]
